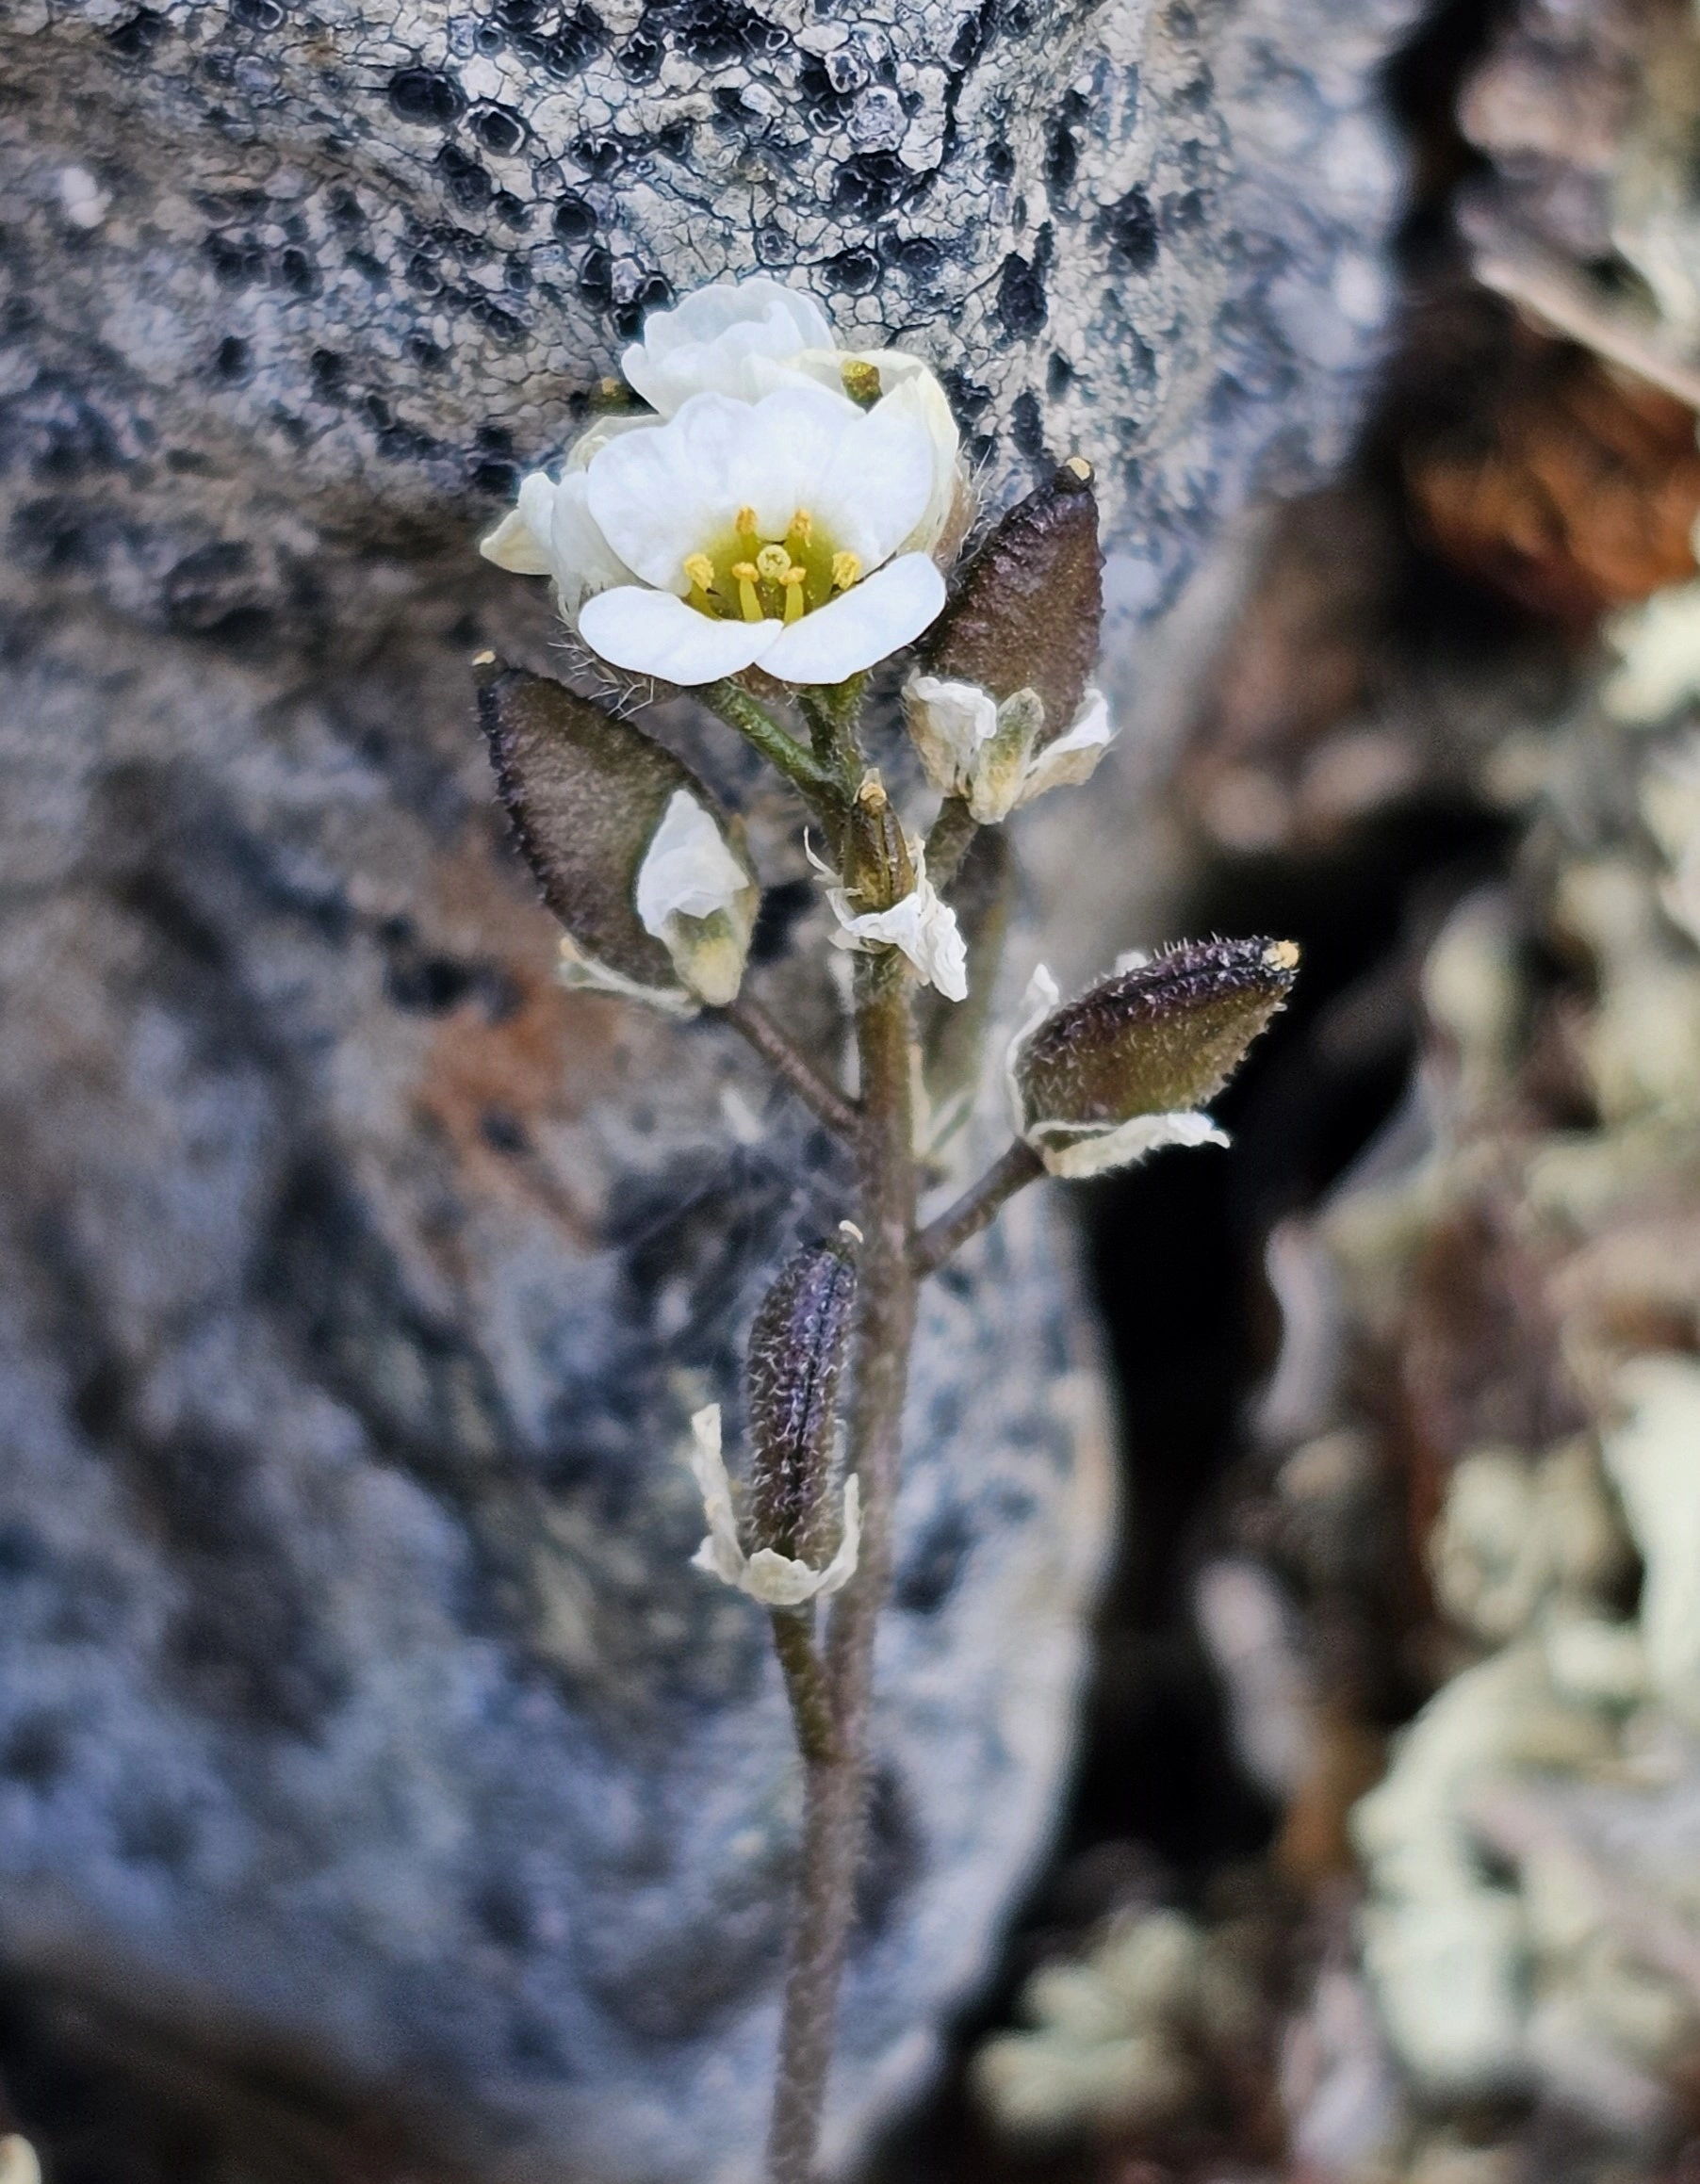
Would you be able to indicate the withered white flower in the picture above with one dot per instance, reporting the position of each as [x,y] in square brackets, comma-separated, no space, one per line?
[763,517]
[697,900]
[1075,1150]
[973,746]
[777,1580]
[921,927]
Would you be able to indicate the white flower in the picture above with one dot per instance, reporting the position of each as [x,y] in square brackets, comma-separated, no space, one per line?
[717,341]
[765,517]
[777,1580]
[973,746]
[921,927]
[1075,1150]
[697,900]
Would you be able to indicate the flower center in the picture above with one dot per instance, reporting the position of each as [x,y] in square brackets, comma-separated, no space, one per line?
[742,576]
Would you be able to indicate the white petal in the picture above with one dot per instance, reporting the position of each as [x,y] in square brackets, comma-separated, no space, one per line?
[1092,1152]
[921,927]
[1040,998]
[912,391]
[1074,757]
[687,869]
[520,540]
[581,973]
[782,1581]
[872,486]
[874,619]
[713,341]
[948,721]
[594,438]
[580,559]
[654,633]
[662,494]
[720,1551]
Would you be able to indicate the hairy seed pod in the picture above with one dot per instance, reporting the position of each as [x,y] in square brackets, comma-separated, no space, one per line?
[1156,1039]
[1028,610]
[587,795]
[796,1358]
[878,871]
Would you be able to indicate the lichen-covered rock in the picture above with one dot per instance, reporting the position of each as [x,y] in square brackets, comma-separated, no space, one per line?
[356,1281]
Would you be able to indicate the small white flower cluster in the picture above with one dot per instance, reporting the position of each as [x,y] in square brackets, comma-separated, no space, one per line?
[989,752]
[777,1580]
[780,509]
[1077,1150]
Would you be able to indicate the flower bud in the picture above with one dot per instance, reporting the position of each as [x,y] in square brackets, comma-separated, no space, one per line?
[628,848]
[1029,609]
[1123,1070]
[796,1358]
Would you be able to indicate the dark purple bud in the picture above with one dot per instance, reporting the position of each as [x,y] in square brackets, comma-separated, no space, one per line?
[1028,611]
[1156,1040]
[796,1358]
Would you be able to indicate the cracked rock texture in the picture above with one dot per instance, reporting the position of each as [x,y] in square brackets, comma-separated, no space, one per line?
[356,1281]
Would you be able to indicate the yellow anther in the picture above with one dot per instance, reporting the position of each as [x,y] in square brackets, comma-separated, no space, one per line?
[1077,466]
[861,380]
[745,521]
[794,580]
[847,570]
[772,564]
[802,527]
[701,571]
[749,606]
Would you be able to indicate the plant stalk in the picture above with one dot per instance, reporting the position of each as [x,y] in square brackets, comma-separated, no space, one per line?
[1014,1168]
[835,1786]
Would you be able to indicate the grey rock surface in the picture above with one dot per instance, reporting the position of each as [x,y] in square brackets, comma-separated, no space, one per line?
[356,1281]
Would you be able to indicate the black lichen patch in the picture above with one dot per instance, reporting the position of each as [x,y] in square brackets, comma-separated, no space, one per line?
[234,360]
[428,97]
[1022,307]
[853,272]
[1130,228]
[573,220]
[497,128]
[1027,424]
[469,184]
[871,184]
[135,40]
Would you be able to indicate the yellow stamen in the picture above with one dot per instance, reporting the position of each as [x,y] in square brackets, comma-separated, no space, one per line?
[772,564]
[861,380]
[745,521]
[701,571]
[794,580]
[847,570]
[748,604]
[802,527]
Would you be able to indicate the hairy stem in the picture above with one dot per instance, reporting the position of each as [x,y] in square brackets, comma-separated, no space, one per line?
[836,1788]
[833,712]
[976,1209]
[753,722]
[788,1062]
[805,1686]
